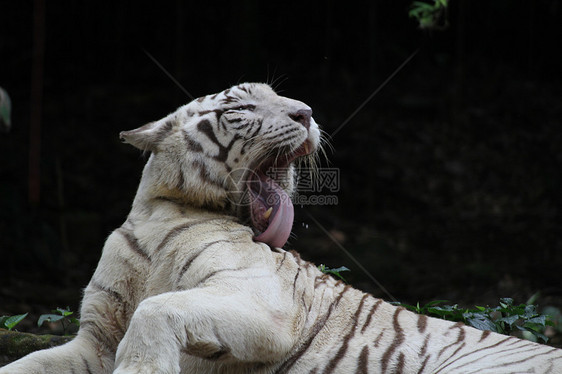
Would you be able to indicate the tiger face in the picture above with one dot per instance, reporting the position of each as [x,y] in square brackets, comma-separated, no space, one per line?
[231,151]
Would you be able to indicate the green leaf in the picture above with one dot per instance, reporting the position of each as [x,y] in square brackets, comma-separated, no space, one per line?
[336,272]
[535,333]
[48,318]
[64,312]
[341,268]
[482,323]
[446,311]
[409,307]
[530,311]
[446,308]
[419,10]
[338,275]
[510,320]
[12,321]
[5,108]
[506,302]
[539,320]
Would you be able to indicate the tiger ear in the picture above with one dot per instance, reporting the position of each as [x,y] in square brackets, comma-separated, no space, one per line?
[147,137]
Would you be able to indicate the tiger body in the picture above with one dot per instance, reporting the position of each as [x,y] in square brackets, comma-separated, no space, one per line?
[195,282]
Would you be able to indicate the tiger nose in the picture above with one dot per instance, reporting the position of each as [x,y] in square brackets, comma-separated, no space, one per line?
[302,116]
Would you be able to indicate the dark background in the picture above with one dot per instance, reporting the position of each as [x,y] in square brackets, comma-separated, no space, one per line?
[450,177]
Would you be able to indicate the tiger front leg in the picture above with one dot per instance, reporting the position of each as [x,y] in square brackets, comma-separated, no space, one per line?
[233,328]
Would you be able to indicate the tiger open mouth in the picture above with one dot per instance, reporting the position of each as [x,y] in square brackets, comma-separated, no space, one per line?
[271,208]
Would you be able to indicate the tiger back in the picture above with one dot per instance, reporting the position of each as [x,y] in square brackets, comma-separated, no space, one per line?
[196,280]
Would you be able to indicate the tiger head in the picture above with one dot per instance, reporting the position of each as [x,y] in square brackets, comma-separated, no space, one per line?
[232,151]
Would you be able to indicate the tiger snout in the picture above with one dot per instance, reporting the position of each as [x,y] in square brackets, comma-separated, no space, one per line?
[302,116]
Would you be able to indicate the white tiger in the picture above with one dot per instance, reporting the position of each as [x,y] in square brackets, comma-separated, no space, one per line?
[195,282]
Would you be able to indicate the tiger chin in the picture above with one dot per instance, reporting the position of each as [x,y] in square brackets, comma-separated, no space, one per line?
[196,281]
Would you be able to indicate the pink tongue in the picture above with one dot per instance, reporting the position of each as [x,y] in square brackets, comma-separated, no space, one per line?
[280,221]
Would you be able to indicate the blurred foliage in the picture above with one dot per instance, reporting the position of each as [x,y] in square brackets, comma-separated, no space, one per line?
[504,319]
[9,322]
[335,272]
[430,16]
[62,315]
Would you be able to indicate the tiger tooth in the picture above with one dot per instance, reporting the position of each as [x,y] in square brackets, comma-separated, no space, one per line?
[306,148]
[267,213]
